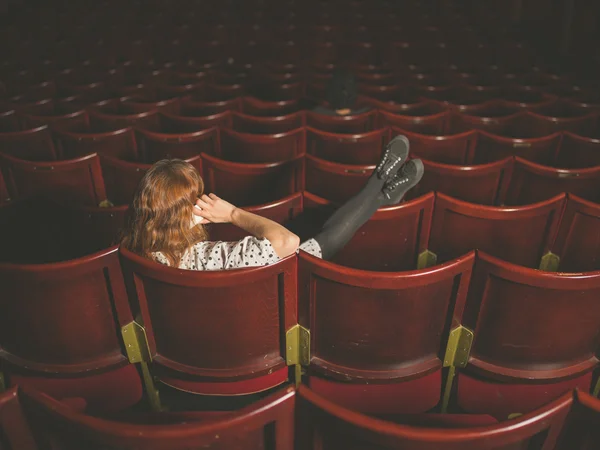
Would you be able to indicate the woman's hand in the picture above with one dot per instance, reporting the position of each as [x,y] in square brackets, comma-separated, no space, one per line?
[213,209]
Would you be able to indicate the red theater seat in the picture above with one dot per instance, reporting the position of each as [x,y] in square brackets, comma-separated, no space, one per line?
[577,242]
[255,107]
[531,182]
[75,181]
[281,211]
[491,147]
[432,124]
[520,235]
[187,124]
[155,146]
[261,148]
[119,144]
[191,107]
[491,124]
[64,119]
[520,359]
[333,181]
[334,427]
[357,149]
[221,307]
[449,149]
[9,121]
[14,427]
[578,151]
[581,430]
[485,184]
[253,184]
[270,420]
[33,145]
[368,351]
[244,123]
[351,124]
[545,124]
[109,121]
[122,177]
[391,240]
[61,327]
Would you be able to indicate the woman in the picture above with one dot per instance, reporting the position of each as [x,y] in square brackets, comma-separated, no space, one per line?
[169,212]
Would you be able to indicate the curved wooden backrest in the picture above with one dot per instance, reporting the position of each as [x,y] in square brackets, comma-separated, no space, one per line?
[449,149]
[103,121]
[433,124]
[520,235]
[391,240]
[32,145]
[119,144]
[333,427]
[193,108]
[75,181]
[531,182]
[9,121]
[333,181]
[544,125]
[65,121]
[281,211]
[368,327]
[522,98]
[484,184]
[14,427]
[64,318]
[244,123]
[165,145]
[357,149]
[222,308]
[577,242]
[172,123]
[256,107]
[354,124]
[268,421]
[262,148]
[135,105]
[122,177]
[531,325]
[491,124]
[578,151]
[491,147]
[253,184]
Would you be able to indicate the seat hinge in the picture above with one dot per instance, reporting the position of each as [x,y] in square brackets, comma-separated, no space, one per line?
[297,345]
[457,355]
[426,259]
[136,343]
[550,262]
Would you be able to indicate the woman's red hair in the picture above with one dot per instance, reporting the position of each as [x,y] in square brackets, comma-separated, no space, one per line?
[160,218]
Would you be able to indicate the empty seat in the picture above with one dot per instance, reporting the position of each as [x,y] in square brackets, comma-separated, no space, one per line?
[191,107]
[359,149]
[119,144]
[253,184]
[531,182]
[520,235]
[9,121]
[270,420]
[433,124]
[491,124]
[140,104]
[368,351]
[123,177]
[105,121]
[353,124]
[261,148]
[14,427]
[577,242]
[519,359]
[522,98]
[245,123]
[255,107]
[485,184]
[33,145]
[491,147]
[544,124]
[221,307]
[281,211]
[65,120]
[61,327]
[334,181]
[155,146]
[578,151]
[74,181]
[334,427]
[392,239]
[449,149]
[187,124]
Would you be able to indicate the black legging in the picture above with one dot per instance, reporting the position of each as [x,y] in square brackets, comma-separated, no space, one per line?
[345,221]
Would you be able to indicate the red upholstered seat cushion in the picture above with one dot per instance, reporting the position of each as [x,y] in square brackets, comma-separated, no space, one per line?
[501,399]
[242,387]
[414,396]
[107,392]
